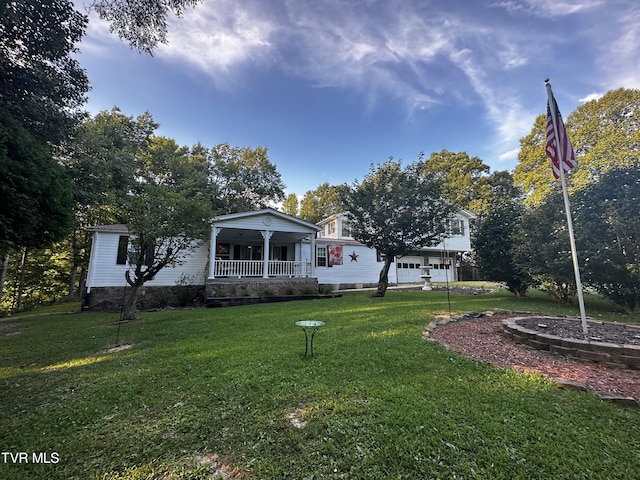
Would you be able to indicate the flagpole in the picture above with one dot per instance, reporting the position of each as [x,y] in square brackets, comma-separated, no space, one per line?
[567,207]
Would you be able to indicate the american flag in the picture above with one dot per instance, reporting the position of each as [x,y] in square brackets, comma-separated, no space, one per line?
[566,149]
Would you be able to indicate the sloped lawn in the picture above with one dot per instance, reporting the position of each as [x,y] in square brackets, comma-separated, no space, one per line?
[227,390]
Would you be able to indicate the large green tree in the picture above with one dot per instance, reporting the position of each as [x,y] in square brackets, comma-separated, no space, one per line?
[291,205]
[607,225]
[36,208]
[167,217]
[464,178]
[243,179]
[322,202]
[101,160]
[604,133]
[544,249]
[397,210]
[41,83]
[497,237]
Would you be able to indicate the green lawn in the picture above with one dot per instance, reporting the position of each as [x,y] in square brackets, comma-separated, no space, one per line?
[377,401]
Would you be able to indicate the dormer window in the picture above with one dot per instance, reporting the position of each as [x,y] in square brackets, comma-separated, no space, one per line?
[456,227]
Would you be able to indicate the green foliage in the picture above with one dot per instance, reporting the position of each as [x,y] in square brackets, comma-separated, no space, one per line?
[167,213]
[46,278]
[607,220]
[464,179]
[496,243]
[143,23]
[396,210]
[101,160]
[324,201]
[604,134]
[290,206]
[244,179]
[544,249]
[41,84]
[36,193]
[376,401]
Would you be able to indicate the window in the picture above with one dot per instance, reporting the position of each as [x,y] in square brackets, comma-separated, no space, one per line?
[279,253]
[321,256]
[123,247]
[223,251]
[346,228]
[456,227]
[247,252]
[331,228]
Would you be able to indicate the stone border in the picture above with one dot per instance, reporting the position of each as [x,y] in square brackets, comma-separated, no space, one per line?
[562,383]
[609,354]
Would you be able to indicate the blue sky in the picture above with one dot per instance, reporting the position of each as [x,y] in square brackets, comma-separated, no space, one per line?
[331,87]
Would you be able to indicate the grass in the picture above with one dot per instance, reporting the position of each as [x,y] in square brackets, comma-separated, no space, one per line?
[377,401]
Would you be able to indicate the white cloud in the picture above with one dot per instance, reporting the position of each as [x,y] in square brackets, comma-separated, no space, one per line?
[620,58]
[217,37]
[509,155]
[548,8]
[591,96]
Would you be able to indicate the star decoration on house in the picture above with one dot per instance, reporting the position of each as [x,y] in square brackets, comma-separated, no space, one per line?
[354,256]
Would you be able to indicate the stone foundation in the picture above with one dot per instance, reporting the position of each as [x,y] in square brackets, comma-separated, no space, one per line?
[260,287]
[111,299]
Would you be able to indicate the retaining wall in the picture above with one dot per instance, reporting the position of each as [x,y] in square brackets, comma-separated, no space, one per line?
[610,354]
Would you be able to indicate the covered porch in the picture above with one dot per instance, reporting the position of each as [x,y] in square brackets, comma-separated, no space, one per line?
[261,244]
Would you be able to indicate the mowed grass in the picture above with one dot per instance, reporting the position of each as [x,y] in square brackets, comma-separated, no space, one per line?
[377,401]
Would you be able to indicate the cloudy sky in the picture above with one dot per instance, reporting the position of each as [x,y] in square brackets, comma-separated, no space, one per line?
[332,86]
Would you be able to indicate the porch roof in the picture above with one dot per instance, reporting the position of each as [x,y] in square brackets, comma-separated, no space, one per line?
[248,225]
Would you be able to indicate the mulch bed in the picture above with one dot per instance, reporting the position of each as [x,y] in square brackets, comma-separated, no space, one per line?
[482,339]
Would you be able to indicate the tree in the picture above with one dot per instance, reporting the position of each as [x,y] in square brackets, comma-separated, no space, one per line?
[101,160]
[544,249]
[243,179]
[495,246]
[604,133]
[322,202]
[464,178]
[291,204]
[36,193]
[166,216]
[41,84]
[142,23]
[396,210]
[607,221]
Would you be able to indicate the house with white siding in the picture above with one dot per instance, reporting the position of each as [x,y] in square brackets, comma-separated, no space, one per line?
[349,261]
[266,252]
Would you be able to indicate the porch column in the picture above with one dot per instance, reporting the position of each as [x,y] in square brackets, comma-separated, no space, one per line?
[212,251]
[266,234]
[313,255]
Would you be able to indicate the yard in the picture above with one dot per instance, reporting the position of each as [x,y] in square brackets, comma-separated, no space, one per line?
[226,392]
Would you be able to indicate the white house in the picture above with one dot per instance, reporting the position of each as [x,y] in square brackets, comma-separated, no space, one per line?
[348,261]
[251,253]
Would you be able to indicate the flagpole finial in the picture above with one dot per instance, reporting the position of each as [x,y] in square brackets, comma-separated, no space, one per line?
[546,80]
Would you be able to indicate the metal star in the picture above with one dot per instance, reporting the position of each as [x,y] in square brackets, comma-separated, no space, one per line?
[354,256]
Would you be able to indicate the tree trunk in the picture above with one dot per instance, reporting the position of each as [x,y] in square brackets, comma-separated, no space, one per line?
[72,281]
[3,274]
[23,267]
[81,282]
[383,282]
[131,304]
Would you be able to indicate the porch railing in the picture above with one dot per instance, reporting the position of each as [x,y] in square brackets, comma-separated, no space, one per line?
[255,268]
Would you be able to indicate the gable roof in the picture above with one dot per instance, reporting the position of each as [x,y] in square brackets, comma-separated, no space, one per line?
[265,212]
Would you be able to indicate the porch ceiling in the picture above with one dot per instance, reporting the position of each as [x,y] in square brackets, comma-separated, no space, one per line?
[237,235]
